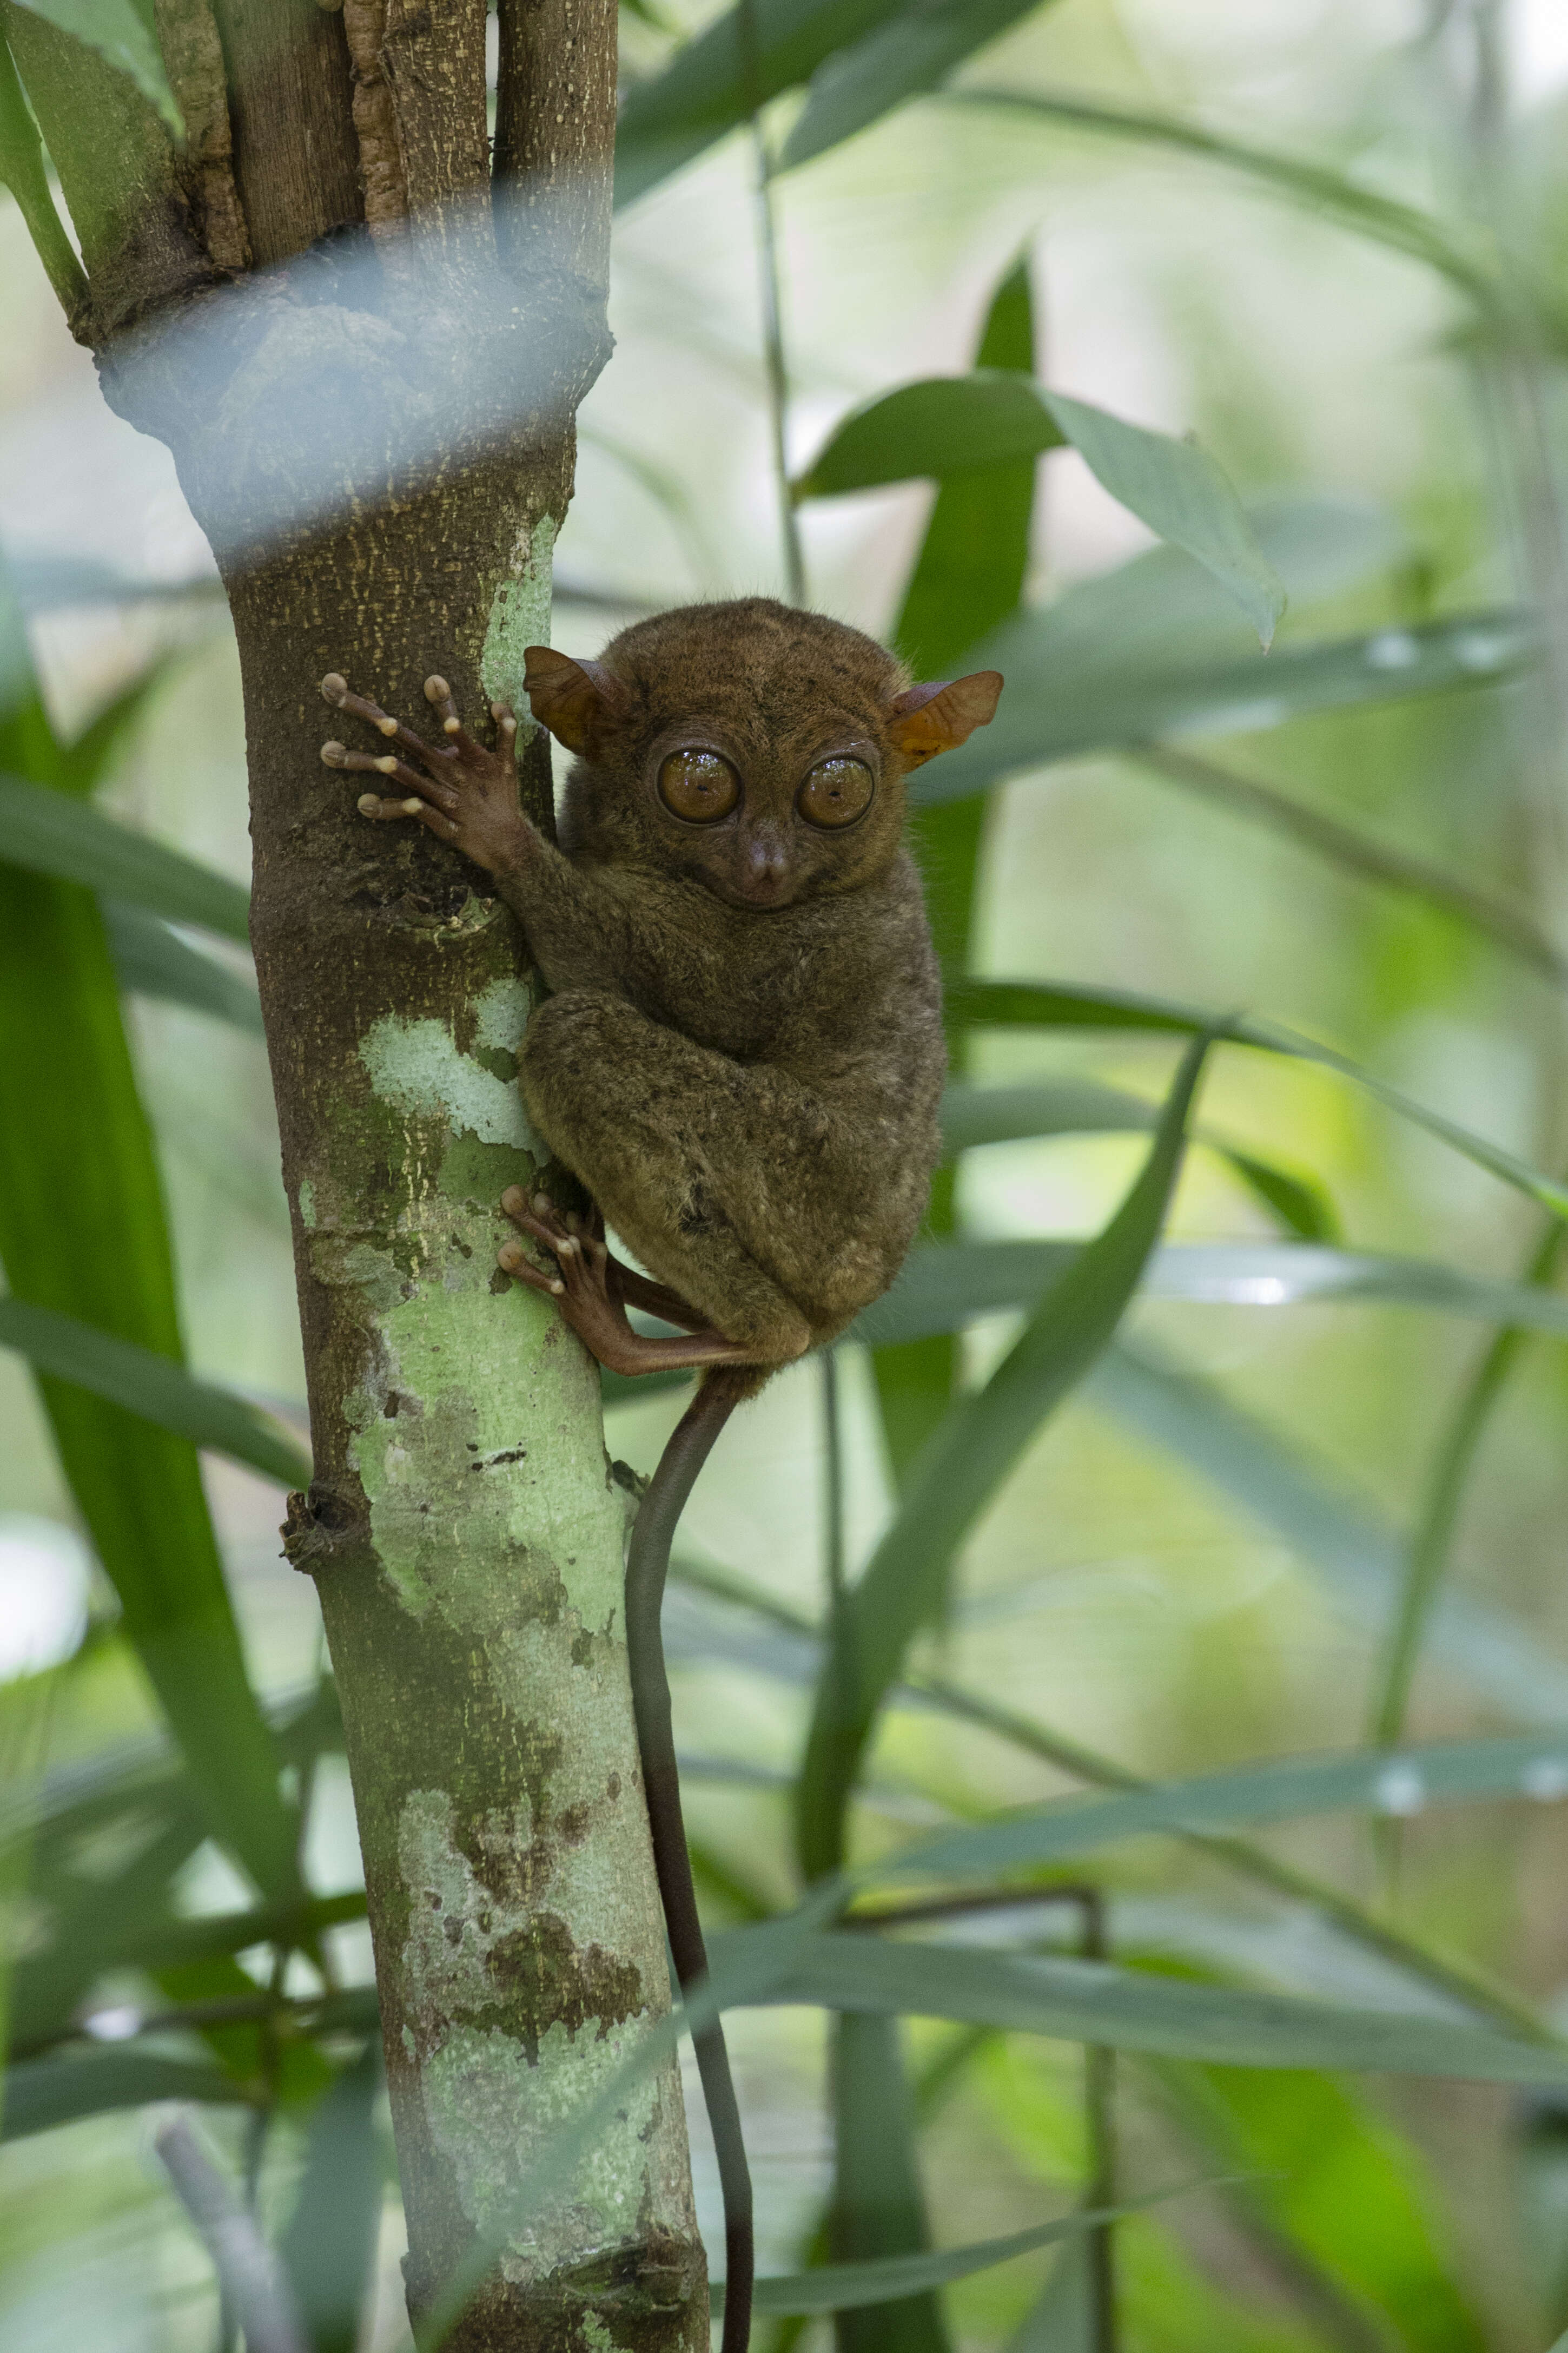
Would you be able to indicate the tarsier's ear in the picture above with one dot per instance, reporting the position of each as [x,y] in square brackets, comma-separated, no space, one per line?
[578,700]
[932,719]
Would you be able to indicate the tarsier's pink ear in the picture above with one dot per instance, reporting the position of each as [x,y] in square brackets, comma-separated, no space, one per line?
[578,700]
[932,719]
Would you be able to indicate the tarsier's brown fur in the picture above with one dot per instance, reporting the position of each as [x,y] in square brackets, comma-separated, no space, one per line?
[741,1057]
[741,1054]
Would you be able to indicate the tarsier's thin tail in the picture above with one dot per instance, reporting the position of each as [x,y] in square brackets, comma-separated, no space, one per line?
[722,1388]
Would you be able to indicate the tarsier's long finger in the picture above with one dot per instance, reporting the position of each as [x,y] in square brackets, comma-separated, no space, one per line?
[513,1260]
[439,693]
[387,763]
[370,805]
[506,731]
[335,690]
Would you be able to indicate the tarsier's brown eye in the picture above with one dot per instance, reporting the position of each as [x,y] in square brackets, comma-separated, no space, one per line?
[698,786]
[836,792]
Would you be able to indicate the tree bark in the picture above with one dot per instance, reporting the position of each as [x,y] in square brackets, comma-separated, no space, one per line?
[464,1527]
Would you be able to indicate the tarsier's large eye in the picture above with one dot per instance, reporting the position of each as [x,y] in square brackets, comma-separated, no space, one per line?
[698,786]
[836,792]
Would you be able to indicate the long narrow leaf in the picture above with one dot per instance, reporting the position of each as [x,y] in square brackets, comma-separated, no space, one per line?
[1057,1005]
[152,1388]
[1064,699]
[153,960]
[898,61]
[1093,2002]
[959,1471]
[48,833]
[1380,1781]
[944,427]
[123,38]
[40,2093]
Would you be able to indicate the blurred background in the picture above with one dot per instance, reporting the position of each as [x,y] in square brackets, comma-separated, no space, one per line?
[1193,1565]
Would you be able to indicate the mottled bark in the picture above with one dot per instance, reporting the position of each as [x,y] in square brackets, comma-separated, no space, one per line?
[464,1529]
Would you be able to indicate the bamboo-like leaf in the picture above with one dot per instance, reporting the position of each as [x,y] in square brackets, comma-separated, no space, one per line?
[1056,1004]
[22,170]
[959,1471]
[876,2220]
[849,2287]
[968,576]
[40,2093]
[47,833]
[1403,1782]
[153,960]
[328,2246]
[82,1234]
[944,427]
[735,65]
[121,34]
[941,429]
[898,61]
[942,1287]
[1061,701]
[152,1387]
[1096,2002]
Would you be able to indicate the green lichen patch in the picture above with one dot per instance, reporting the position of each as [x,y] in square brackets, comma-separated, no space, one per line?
[415,1065]
[519,617]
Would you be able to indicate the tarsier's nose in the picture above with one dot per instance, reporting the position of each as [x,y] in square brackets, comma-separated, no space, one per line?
[765,867]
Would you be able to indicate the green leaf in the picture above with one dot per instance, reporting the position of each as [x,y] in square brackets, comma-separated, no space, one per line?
[942,426]
[1060,704]
[1096,2002]
[1403,1782]
[40,2093]
[901,61]
[119,31]
[945,426]
[940,1288]
[82,1233]
[47,833]
[1339,1536]
[1184,496]
[877,2226]
[1060,1006]
[328,2246]
[974,1116]
[961,1469]
[153,960]
[154,1389]
[968,577]
[735,65]
[847,2287]
[22,170]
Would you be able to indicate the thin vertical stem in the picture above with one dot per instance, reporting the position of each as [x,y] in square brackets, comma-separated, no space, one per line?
[833,1485]
[1100,2121]
[772,314]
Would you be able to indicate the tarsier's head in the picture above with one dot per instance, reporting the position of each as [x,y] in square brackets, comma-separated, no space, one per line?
[760,750]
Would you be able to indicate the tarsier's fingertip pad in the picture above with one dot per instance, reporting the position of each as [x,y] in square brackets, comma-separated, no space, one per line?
[333,755]
[334,686]
[559,1289]
[451,726]
[387,765]
[368,805]
[411,807]
[435,689]
[513,1199]
[387,726]
[510,1255]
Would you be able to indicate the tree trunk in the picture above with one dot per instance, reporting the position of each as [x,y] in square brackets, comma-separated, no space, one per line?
[378,439]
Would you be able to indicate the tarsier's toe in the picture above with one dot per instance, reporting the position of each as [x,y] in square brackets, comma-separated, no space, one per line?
[515,1201]
[334,686]
[334,755]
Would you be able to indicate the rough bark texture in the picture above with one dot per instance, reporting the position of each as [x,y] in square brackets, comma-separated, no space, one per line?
[381,456]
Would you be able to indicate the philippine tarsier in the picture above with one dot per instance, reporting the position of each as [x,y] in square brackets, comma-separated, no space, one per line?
[742,1055]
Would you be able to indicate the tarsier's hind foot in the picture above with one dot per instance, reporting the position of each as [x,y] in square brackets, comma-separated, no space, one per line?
[591,1289]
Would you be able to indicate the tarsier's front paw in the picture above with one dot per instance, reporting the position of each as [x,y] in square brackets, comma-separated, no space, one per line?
[462,792]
